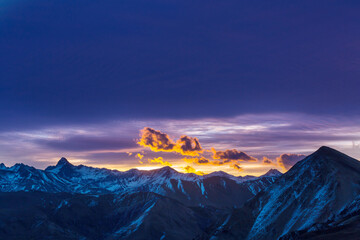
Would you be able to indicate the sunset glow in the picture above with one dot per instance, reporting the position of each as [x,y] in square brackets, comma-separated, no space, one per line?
[237,88]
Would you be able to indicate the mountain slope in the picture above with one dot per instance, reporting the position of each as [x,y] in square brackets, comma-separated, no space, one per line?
[345,225]
[77,216]
[312,191]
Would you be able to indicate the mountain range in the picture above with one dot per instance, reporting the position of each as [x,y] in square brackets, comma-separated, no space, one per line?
[318,198]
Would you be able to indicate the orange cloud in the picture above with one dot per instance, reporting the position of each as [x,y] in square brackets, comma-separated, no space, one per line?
[158,141]
[188,146]
[199,161]
[141,162]
[160,160]
[129,153]
[237,167]
[287,160]
[232,155]
[139,155]
[189,169]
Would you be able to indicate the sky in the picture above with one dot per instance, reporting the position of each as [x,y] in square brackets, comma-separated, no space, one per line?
[236,86]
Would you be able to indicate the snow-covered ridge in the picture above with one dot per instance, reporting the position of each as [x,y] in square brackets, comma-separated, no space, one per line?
[64,169]
[188,187]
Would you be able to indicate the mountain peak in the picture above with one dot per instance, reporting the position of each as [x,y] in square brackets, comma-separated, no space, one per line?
[272,173]
[329,155]
[324,150]
[166,169]
[63,161]
[2,166]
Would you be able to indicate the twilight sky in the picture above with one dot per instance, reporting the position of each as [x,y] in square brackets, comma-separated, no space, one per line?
[256,83]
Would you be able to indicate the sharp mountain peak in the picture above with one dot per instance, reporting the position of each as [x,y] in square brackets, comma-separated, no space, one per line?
[329,155]
[63,161]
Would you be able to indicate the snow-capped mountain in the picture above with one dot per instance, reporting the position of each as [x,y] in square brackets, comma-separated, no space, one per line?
[218,189]
[21,177]
[319,198]
[272,173]
[313,191]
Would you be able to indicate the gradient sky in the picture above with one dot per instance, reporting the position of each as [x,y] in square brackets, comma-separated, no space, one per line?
[80,79]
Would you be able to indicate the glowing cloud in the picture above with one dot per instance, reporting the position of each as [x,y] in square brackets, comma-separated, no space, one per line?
[199,161]
[231,155]
[286,161]
[139,155]
[160,160]
[188,146]
[158,141]
[189,169]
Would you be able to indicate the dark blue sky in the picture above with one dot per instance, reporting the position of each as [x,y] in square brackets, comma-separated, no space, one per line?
[79,61]
[80,78]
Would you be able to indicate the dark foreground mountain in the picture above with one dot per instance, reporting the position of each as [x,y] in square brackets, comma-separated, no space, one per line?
[319,198]
[39,215]
[314,191]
